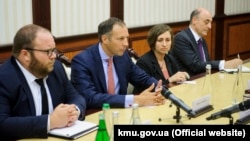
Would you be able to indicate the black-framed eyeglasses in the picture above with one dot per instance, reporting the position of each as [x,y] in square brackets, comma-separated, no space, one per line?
[48,51]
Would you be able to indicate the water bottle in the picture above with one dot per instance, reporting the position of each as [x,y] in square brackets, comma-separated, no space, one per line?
[207,88]
[135,117]
[115,121]
[238,87]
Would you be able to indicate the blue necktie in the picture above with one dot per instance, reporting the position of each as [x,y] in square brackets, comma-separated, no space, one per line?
[45,107]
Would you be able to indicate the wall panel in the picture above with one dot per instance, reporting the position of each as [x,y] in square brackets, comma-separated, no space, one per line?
[237,37]
[74,22]
[140,45]
[149,12]
[76,17]
[233,7]
[13,15]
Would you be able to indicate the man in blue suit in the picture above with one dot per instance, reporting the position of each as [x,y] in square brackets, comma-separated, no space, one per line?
[89,71]
[188,56]
[33,57]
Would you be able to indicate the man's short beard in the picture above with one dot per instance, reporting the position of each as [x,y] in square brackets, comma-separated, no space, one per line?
[36,68]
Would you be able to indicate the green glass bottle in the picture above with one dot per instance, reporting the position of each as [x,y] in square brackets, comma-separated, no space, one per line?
[102,134]
[107,116]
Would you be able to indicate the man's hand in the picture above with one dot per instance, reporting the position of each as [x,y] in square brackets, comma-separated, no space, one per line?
[233,64]
[63,115]
[147,97]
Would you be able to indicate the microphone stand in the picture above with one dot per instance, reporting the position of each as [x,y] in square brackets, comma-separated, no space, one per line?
[177,116]
[231,120]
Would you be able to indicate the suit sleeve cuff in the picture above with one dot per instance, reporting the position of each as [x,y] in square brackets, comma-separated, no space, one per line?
[221,65]
[79,112]
[129,100]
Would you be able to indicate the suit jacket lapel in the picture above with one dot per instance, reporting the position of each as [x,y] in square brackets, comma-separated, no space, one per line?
[98,61]
[155,64]
[192,40]
[53,91]
[28,95]
[120,71]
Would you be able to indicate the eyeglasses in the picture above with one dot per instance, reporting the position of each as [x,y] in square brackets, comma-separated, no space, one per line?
[48,51]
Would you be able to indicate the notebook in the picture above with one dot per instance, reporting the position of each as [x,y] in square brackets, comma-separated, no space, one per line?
[78,129]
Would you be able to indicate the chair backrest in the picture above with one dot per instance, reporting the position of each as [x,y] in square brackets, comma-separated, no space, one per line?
[65,60]
[66,63]
[133,55]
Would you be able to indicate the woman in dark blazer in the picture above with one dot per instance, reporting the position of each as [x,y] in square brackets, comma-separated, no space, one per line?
[158,62]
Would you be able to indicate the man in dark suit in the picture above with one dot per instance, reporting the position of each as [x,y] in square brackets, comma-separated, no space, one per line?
[186,50]
[21,100]
[89,72]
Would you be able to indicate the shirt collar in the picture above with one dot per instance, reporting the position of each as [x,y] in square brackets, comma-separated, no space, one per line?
[103,55]
[196,36]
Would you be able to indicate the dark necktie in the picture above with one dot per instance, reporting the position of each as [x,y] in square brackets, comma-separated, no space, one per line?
[45,107]
[200,48]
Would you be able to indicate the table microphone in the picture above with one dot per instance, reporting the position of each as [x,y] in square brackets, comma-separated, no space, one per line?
[228,111]
[176,101]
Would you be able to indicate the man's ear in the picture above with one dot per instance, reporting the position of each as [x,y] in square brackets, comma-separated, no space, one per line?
[105,39]
[25,55]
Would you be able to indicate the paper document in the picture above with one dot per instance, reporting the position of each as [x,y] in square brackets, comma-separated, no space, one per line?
[187,82]
[244,69]
[75,131]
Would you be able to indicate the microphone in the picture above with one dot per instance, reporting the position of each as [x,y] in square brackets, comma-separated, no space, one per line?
[176,101]
[228,111]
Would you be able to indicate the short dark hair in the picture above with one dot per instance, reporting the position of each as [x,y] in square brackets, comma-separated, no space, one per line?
[156,31]
[24,37]
[106,26]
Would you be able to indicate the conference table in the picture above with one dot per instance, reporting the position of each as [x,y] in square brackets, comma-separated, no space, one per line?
[222,92]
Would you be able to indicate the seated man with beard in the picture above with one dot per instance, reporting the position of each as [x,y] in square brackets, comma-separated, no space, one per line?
[35,93]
